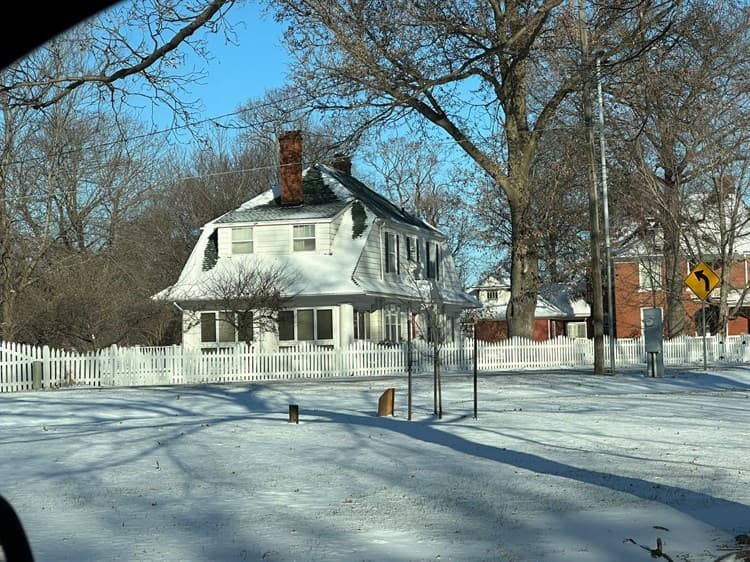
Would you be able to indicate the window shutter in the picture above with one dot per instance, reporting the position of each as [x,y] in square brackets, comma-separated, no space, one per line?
[387,252]
[398,254]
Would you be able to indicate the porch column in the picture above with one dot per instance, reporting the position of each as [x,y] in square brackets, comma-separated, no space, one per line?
[346,325]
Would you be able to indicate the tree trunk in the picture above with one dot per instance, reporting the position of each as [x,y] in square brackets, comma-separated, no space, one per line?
[7,324]
[524,275]
[674,279]
[675,283]
[524,269]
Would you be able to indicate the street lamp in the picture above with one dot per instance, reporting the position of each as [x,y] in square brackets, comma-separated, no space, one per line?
[605,205]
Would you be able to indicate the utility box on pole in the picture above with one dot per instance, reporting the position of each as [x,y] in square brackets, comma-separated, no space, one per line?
[653,334]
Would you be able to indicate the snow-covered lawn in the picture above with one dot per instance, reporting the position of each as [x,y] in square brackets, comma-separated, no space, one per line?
[558,466]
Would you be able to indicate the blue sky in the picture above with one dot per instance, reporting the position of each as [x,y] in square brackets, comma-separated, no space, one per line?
[246,70]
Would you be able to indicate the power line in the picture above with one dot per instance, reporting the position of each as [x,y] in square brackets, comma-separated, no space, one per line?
[172,129]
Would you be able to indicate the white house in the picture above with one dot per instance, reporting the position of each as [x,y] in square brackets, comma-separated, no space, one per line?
[558,311]
[356,266]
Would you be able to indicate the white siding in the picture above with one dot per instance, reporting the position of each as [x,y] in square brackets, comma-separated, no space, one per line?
[333,228]
[191,329]
[369,266]
[276,239]
[273,239]
[323,238]
[225,241]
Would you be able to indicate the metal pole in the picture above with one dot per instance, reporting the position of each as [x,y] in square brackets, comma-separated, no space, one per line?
[475,371]
[703,319]
[409,365]
[605,206]
[597,284]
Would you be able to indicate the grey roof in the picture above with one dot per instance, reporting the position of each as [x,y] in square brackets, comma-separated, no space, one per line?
[323,200]
[381,206]
[273,211]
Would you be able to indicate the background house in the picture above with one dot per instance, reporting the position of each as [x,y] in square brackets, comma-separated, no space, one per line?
[715,234]
[558,311]
[334,260]
[639,284]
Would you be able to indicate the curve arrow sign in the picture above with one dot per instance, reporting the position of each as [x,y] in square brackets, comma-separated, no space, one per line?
[702,280]
[703,277]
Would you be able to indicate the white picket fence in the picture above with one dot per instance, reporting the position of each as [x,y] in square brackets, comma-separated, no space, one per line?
[25,367]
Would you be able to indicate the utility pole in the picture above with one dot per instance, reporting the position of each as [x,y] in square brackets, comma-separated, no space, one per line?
[605,205]
[597,304]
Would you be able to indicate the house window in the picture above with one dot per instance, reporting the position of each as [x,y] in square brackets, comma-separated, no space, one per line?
[392,253]
[208,327]
[245,324]
[392,324]
[411,248]
[306,324]
[575,329]
[226,327]
[433,260]
[649,275]
[492,295]
[286,325]
[242,240]
[361,325]
[324,324]
[304,238]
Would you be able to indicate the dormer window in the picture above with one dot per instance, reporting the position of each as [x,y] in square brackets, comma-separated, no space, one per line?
[304,238]
[242,240]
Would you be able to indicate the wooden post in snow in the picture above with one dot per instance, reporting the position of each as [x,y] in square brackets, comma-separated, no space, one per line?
[387,402]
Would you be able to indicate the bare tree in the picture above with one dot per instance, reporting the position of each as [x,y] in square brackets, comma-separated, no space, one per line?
[89,301]
[490,75]
[66,189]
[419,178]
[678,115]
[59,187]
[250,294]
[717,222]
[133,50]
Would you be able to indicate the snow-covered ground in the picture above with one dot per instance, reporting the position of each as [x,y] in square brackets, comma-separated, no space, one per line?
[558,466]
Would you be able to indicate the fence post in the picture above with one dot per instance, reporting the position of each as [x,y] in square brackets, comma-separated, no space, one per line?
[46,371]
[36,375]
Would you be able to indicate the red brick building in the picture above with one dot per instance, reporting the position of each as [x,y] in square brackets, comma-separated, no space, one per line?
[638,284]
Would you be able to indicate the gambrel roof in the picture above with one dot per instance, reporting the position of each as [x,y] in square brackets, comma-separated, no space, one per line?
[329,196]
[327,191]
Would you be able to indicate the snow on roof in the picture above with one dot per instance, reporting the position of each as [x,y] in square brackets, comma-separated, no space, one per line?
[313,273]
[555,301]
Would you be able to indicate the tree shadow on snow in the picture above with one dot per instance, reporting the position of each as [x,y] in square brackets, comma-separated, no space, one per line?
[717,512]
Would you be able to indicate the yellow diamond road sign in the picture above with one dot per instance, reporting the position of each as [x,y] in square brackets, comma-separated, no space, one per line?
[702,280]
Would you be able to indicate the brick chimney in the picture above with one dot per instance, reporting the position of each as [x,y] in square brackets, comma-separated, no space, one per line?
[342,163]
[290,168]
